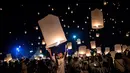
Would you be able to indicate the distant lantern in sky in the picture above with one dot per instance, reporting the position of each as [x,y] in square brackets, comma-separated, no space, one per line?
[118,48]
[124,47]
[38,43]
[99,50]
[89,8]
[38,13]
[55,34]
[52,9]
[39,37]
[97,34]
[36,27]
[97,19]
[25,32]
[73,21]
[85,22]
[10,32]
[72,12]
[105,3]
[88,52]
[77,4]
[69,45]
[78,41]
[127,34]
[0,8]
[107,50]
[78,26]
[93,44]
[82,50]
[32,44]
[68,8]
[40,51]
[43,42]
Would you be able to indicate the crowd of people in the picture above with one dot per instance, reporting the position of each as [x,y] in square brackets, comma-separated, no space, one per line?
[59,63]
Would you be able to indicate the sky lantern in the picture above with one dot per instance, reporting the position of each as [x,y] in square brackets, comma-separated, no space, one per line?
[93,44]
[118,48]
[124,47]
[82,50]
[107,50]
[43,42]
[88,52]
[97,34]
[99,50]
[78,41]
[52,31]
[8,57]
[97,19]
[69,45]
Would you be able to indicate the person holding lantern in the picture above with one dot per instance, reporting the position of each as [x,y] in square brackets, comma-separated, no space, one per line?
[59,60]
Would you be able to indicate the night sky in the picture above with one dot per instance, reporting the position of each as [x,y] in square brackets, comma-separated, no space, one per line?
[20,23]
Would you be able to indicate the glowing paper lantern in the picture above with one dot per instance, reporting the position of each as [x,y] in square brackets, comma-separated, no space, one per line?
[8,57]
[118,48]
[40,51]
[78,41]
[82,50]
[69,45]
[97,19]
[88,52]
[107,50]
[43,42]
[52,31]
[93,44]
[99,50]
[124,47]
[97,34]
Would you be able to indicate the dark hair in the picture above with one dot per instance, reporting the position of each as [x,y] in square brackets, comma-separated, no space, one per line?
[118,56]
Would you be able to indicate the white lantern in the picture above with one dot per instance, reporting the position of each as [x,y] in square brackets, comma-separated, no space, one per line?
[93,44]
[52,31]
[118,48]
[43,42]
[40,51]
[78,41]
[107,50]
[99,50]
[124,47]
[97,19]
[97,34]
[88,52]
[69,45]
[8,57]
[82,50]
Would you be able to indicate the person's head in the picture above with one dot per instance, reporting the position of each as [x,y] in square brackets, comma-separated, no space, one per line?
[60,55]
[118,56]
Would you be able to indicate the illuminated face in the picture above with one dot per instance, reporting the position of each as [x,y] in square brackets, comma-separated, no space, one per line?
[60,55]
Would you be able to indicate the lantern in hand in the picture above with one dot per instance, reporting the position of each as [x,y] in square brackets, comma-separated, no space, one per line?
[52,31]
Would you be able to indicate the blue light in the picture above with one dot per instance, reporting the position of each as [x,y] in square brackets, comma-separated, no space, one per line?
[19,46]
[17,49]
[31,51]
[74,36]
